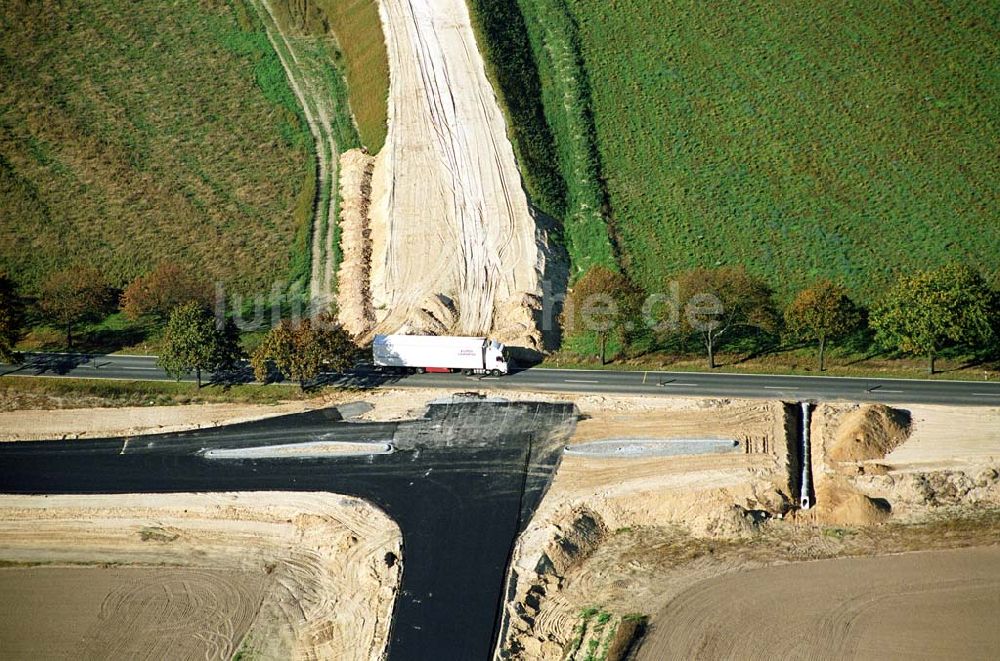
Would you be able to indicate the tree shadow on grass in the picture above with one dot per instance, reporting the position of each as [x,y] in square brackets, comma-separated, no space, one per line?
[99,340]
[110,340]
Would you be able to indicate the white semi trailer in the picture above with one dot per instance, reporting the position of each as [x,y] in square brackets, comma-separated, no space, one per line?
[439,353]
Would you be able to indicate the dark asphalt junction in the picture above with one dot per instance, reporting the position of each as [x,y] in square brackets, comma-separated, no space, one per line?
[462,483]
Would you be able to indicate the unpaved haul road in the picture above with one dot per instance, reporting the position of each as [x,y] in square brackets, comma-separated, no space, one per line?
[449,216]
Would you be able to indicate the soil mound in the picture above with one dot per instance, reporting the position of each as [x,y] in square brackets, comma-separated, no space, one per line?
[839,503]
[869,432]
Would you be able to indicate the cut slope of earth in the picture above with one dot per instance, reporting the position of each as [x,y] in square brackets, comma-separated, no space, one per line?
[454,242]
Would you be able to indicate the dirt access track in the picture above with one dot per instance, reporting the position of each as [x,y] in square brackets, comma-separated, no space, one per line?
[454,245]
[276,575]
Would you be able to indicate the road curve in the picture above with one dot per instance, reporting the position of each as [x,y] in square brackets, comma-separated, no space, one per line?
[690,384]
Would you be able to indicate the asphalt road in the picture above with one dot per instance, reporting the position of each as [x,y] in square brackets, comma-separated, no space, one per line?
[462,483]
[890,391]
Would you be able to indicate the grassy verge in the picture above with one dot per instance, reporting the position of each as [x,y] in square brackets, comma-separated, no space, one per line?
[795,363]
[362,58]
[668,548]
[533,59]
[125,126]
[19,393]
[339,44]
[802,140]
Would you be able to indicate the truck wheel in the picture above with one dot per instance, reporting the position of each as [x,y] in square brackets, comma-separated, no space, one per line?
[420,370]
[495,372]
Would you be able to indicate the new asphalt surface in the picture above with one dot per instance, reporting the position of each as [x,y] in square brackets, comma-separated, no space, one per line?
[461,483]
[698,384]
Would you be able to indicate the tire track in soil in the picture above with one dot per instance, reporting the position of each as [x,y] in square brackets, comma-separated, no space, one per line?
[454,219]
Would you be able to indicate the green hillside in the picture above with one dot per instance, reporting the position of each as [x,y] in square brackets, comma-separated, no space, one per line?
[847,140]
[802,139]
[140,131]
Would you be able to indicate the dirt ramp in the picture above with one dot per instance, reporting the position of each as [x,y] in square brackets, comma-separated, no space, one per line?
[870,432]
[450,219]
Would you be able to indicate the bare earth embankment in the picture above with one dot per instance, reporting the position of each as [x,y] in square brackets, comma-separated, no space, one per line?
[277,575]
[31,425]
[454,245]
[622,545]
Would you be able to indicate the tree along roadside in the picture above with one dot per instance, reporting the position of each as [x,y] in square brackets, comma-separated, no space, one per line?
[194,342]
[932,310]
[303,349]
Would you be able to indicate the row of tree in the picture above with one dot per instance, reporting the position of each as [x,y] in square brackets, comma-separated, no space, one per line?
[196,342]
[921,314]
[82,294]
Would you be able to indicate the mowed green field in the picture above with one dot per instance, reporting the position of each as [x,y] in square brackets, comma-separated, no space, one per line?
[802,139]
[141,131]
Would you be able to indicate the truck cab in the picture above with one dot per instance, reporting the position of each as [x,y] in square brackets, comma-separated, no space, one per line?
[495,355]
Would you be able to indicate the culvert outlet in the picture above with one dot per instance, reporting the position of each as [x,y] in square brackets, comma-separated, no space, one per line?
[805,497]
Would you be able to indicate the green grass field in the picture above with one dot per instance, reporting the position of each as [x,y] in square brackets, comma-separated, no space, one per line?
[136,132]
[349,33]
[801,139]
[363,59]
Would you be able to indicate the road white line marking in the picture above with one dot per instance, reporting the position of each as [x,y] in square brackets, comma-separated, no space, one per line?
[985,394]
[665,385]
[780,388]
[883,390]
[124,446]
[579,381]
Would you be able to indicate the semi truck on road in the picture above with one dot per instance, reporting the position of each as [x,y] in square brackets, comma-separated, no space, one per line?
[439,353]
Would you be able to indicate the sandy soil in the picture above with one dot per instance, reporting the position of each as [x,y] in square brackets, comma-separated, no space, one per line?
[559,566]
[46,424]
[124,612]
[454,243]
[128,421]
[287,575]
[948,437]
[354,305]
[940,604]
[948,457]
[631,535]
